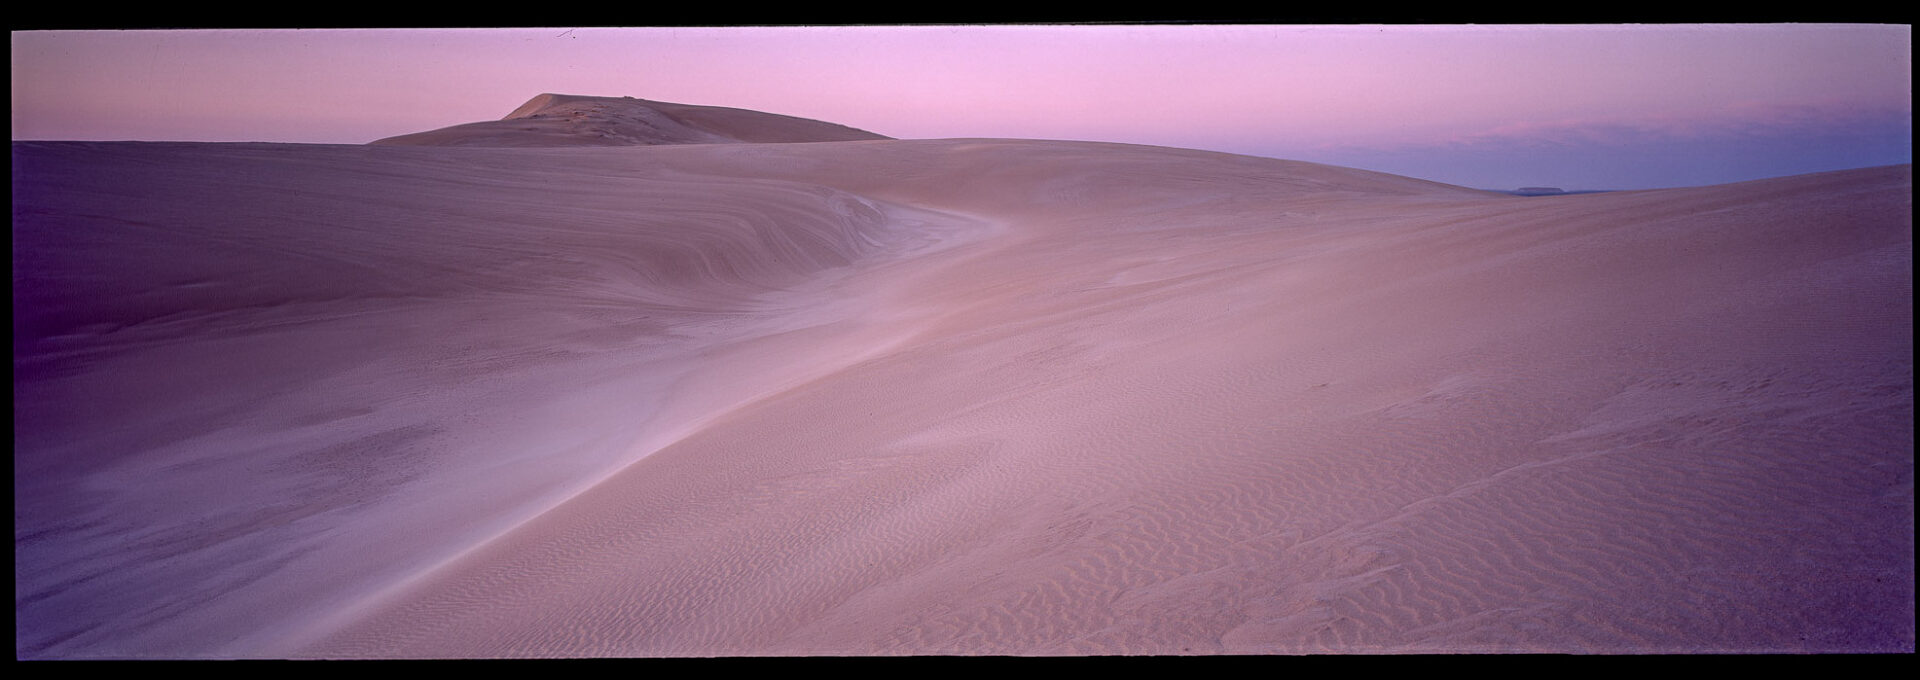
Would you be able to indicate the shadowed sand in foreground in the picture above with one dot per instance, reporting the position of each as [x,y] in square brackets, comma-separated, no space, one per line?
[855,395]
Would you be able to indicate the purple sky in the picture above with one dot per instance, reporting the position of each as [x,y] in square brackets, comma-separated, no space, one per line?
[1598,107]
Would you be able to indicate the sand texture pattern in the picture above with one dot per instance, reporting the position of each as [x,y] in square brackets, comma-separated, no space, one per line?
[892,397]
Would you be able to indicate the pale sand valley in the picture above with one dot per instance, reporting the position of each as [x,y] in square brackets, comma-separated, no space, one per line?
[620,378]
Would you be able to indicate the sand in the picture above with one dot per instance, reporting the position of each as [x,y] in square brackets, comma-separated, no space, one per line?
[908,397]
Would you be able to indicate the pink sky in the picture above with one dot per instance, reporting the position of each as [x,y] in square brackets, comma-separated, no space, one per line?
[1384,95]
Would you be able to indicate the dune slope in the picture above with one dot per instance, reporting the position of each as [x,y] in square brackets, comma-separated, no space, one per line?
[251,377]
[945,397]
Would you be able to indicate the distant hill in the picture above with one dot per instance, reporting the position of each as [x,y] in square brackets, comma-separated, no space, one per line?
[1548,191]
[572,120]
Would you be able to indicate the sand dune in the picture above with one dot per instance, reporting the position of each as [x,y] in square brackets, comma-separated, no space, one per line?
[890,397]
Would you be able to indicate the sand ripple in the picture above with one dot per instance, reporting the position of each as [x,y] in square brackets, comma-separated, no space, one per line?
[947,397]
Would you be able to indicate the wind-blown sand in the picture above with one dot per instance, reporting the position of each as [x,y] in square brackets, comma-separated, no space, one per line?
[884,397]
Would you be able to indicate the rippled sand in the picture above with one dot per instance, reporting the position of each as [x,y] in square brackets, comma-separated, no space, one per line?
[945,397]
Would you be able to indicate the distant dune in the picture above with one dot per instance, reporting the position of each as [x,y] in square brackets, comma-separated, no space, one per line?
[690,393]
[572,120]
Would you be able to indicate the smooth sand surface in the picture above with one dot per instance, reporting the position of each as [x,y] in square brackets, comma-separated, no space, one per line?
[895,397]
